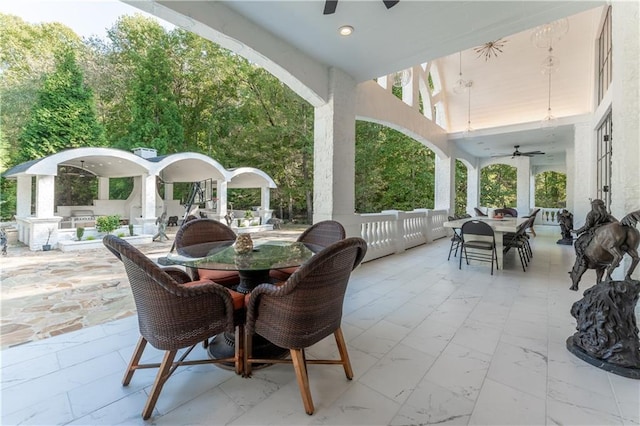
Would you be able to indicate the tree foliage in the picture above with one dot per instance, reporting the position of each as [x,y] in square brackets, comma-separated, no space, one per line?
[498,186]
[551,189]
[63,115]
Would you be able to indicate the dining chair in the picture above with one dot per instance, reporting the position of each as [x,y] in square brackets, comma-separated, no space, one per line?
[455,239]
[304,310]
[316,237]
[479,212]
[533,215]
[506,212]
[520,241]
[203,231]
[469,233]
[175,315]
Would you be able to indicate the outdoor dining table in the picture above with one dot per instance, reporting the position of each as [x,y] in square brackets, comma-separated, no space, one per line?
[253,268]
[499,226]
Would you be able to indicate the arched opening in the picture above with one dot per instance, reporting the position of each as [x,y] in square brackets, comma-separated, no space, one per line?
[393,171]
[551,190]
[498,186]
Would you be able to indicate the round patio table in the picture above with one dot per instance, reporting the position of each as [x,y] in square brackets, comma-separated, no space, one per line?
[253,269]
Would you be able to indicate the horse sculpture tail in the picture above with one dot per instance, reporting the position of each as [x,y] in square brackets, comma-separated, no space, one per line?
[631,219]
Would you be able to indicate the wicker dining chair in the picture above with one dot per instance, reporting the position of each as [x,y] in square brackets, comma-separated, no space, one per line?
[304,310]
[202,231]
[316,237]
[174,315]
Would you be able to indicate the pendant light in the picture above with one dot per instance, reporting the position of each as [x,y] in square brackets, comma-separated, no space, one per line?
[461,85]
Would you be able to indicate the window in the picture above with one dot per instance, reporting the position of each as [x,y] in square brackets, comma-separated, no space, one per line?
[604,57]
[604,135]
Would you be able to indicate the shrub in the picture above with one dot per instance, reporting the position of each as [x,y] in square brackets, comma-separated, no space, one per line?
[79,233]
[131,230]
[120,235]
[108,224]
[91,238]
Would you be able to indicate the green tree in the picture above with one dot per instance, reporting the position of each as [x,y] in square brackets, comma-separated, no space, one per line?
[498,186]
[63,115]
[551,190]
[461,188]
[155,120]
[393,171]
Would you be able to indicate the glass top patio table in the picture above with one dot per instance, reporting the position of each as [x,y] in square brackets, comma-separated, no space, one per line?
[253,267]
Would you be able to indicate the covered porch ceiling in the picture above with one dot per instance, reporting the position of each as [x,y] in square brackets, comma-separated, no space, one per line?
[507,90]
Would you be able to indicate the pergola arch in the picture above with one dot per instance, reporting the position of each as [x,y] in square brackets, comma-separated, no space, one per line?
[143,205]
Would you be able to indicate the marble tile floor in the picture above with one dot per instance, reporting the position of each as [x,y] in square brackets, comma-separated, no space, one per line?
[430,344]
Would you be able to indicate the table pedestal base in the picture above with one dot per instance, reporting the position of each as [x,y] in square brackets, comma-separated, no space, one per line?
[251,279]
[223,346]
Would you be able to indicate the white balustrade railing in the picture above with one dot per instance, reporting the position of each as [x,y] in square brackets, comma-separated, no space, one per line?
[548,216]
[393,231]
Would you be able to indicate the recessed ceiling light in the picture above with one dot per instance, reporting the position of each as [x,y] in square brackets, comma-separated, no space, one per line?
[345,30]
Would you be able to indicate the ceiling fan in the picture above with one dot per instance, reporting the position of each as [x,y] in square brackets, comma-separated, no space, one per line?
[330,5]
[81,171]
[518,153]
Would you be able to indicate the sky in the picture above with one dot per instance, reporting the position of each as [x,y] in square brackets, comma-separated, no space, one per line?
[85,17]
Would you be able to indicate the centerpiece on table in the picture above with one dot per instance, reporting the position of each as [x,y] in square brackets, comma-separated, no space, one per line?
[243,244]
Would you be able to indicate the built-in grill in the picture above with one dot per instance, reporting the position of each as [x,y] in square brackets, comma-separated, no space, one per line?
[82,217]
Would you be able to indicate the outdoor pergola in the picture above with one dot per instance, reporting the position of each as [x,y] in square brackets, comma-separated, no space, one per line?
[144,204]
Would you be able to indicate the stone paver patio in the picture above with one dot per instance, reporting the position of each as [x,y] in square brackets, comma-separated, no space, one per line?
[45,294]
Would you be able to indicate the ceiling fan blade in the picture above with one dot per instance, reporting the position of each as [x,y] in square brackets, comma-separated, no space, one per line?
[532,153]
[330,7]
[390,3]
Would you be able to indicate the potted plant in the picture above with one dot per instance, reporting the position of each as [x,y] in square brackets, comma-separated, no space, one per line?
[46,246]
[79,233]
[248,217]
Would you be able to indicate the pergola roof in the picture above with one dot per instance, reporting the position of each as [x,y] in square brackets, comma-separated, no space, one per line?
[115,163]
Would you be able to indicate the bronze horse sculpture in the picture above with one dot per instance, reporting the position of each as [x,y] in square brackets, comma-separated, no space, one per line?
[605,251]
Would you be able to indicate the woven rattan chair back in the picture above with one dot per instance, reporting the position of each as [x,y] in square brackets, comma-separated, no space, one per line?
[322,234]
[171,316]
[193,238]
[316,237]
[306,309]
[200,231]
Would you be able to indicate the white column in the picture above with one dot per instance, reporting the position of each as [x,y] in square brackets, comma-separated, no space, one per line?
[334,154]
[23,202]
[168,192]
[265,197]
[45,196]
[221,192]
[473,189]
[625,178]
[523,165]
[584,178]
[445,183]
[571,176]
[103,188]
[148,203]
